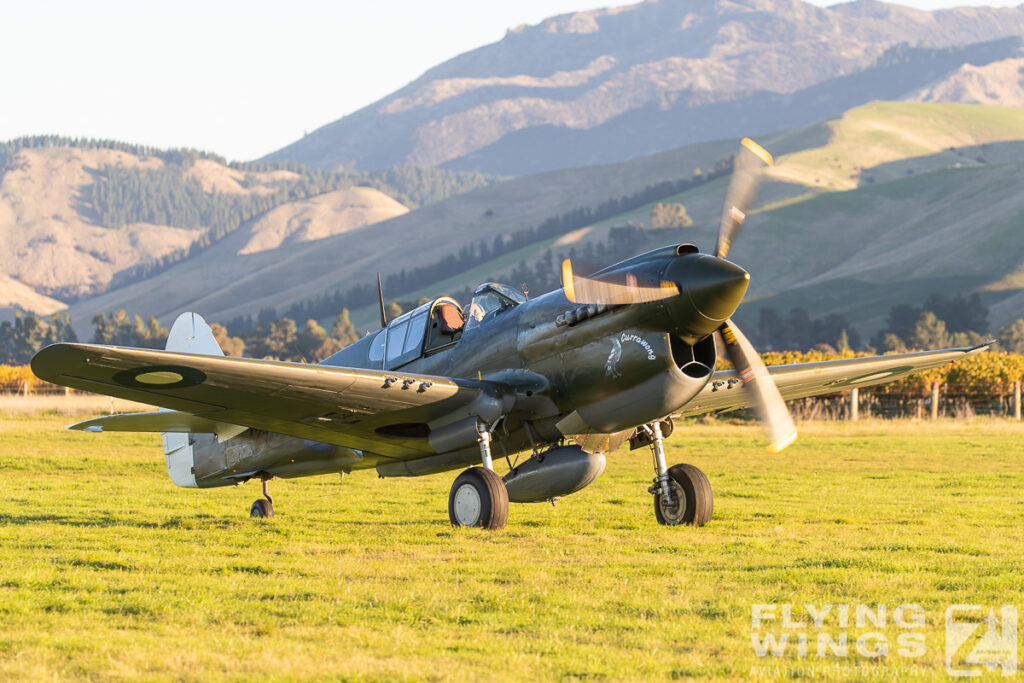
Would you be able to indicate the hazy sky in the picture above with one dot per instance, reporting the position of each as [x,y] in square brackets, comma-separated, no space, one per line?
[238,78]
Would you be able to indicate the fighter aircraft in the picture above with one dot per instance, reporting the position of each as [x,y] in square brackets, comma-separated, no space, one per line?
[567,377]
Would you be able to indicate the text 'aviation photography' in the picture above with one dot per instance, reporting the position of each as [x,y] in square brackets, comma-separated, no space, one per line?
[538,341]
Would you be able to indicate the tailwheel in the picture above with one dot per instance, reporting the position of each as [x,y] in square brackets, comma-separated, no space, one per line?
[261,508]
[691,500]
[264,507]
[478,498]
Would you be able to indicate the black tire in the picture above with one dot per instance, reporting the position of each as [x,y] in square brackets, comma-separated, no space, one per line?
[483,504]
[698,504]
[261,508]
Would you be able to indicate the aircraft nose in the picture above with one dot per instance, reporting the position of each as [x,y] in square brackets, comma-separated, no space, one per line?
[712,289]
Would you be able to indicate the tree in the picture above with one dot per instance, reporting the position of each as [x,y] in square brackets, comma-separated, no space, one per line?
[892,342]
[231,346]
[313,344]
[20,340]
[959,314]
[343,330]
[799,330]
[930,333]
[1011,337]
[394,310]
[670,216]
[120,330]
[901,320]
[843,345]
[771,330]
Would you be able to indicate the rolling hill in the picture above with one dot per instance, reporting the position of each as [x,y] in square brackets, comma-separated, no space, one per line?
[79,217]
[882,205]
[611,84]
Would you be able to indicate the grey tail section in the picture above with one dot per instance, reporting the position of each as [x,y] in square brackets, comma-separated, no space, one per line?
[189,334]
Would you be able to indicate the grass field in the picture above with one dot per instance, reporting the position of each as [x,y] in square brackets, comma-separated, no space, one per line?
[107,571]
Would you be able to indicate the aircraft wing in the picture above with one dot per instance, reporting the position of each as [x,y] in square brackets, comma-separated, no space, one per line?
[377,411]
[800,380]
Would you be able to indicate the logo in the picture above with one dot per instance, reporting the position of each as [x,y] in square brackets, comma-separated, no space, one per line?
[980,641]
[646,345]
[611,365]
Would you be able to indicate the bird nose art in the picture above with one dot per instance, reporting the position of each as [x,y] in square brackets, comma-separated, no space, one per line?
[714,286]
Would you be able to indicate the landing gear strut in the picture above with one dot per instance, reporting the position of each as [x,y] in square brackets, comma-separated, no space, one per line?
[682,493]
[264,507]
[478,496]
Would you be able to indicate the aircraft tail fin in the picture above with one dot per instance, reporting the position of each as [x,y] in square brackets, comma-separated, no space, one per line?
[191,334]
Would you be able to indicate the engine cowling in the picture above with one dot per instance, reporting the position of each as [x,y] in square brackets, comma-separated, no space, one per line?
[554,473]
[675,373]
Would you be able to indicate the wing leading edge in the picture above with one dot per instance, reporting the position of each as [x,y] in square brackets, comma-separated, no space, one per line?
[801,380]
[380,412]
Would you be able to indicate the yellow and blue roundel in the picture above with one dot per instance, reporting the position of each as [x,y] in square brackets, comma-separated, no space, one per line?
[160,377]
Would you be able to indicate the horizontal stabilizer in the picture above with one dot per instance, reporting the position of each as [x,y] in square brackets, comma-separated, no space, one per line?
[160,421]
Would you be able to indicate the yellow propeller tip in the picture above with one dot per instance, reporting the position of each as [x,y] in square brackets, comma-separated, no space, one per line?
[759,151]
[782,443]
[567,281]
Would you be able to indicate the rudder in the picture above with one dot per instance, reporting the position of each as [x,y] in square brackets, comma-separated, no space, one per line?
[189,334]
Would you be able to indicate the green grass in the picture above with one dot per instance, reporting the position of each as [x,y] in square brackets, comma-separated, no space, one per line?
[107,571]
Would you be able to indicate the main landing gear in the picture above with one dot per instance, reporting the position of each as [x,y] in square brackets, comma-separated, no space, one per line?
[264,507]
[478,496]
[682,494]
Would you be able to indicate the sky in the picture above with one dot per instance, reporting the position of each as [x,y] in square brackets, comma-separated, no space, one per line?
[241,79]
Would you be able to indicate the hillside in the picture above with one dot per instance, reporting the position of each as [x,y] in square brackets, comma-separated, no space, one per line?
[883,205]
[54,241]
[78,217]
[611,84]
[223,283]
[332,213]
[1000,83]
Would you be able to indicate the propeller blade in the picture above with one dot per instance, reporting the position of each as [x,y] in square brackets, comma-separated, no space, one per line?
[746,181]
[768,403]
[609,291]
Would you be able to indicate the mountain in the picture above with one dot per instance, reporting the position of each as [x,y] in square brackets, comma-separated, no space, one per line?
[78,217]
[1000,83]
[879,206]
[612,84]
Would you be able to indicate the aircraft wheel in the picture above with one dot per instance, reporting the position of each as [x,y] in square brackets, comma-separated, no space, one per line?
[261,508]
[478,498]
[691,493]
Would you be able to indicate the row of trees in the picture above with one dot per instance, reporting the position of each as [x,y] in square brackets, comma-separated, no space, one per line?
[278,339]
[284,340]
[180,156]
[986,375]
[799,331]
[20,339]
[939,322]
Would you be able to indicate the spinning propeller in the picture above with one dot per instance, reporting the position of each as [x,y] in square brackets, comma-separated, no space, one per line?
[624,288]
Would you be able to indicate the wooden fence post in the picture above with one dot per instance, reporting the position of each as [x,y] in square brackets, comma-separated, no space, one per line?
[935,400]
[1016,400]
[854,404]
